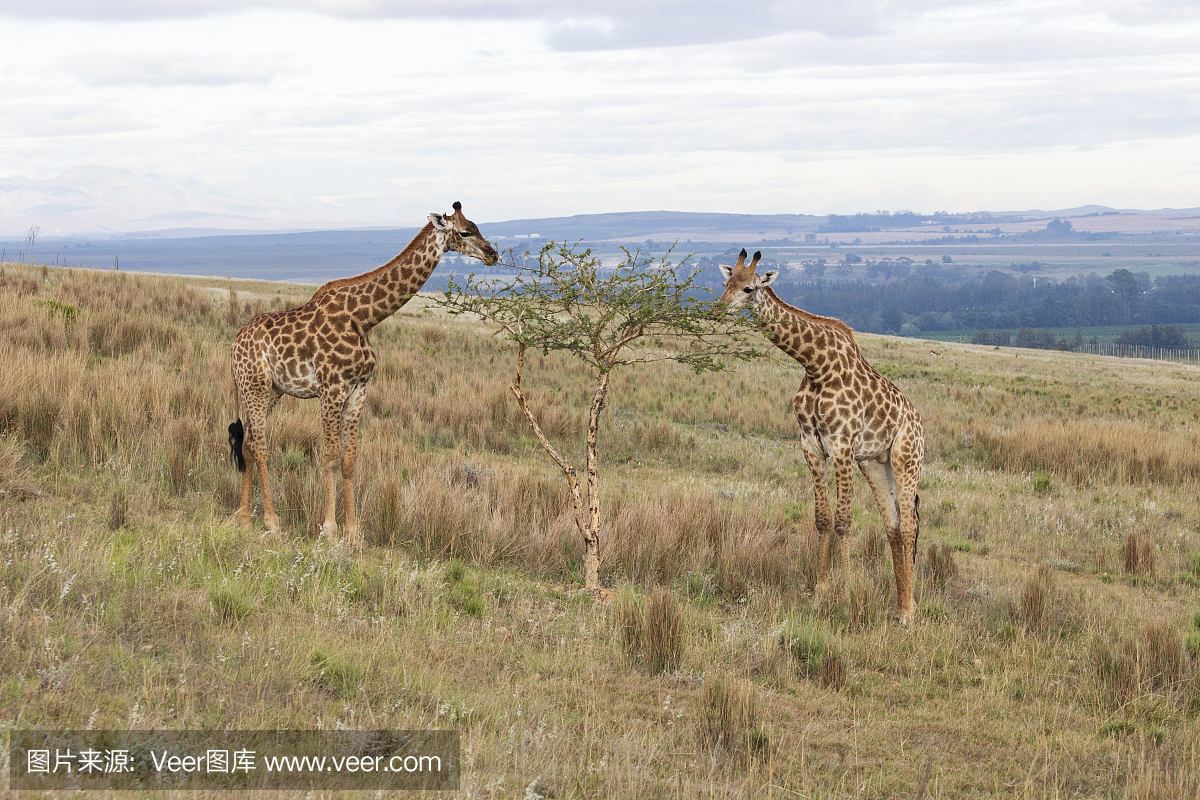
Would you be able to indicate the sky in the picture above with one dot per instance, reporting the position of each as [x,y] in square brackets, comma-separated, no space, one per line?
[534,108]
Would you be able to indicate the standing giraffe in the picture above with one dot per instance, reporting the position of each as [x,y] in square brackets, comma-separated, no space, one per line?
[321,349]
[848,412]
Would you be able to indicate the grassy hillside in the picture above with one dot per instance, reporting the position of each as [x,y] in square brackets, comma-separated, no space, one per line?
[1058,578]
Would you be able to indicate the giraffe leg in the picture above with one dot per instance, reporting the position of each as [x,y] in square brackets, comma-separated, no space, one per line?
[843,471]
[258,405]
[351,412]
[243,512]
[880,476]
[907,459]
[821,512]
[269,516]
[333,399]
[249,403]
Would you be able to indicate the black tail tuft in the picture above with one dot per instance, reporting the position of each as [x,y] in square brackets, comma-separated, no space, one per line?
[237,435]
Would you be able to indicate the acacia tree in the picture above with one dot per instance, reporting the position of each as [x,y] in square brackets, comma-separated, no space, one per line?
[567,301]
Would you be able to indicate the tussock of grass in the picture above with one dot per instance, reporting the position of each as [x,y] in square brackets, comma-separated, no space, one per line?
[230,604]
[663,632]
[337,675]
[650,633]
[1139,554]
[939,564]
[729,719]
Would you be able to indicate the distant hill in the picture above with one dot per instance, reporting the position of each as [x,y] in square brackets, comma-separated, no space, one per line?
[669,225]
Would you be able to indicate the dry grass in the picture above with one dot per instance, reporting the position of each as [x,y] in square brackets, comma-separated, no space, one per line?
[127,598]
[663,632]
[728,725]
[1139,555]
[1093,451]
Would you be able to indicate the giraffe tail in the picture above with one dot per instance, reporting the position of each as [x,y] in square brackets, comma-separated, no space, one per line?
[237,435]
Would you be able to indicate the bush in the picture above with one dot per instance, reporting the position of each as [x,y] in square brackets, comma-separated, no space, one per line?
[1042,481]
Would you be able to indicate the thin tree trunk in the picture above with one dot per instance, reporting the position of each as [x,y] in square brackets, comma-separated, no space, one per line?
[567,469]
[591,537]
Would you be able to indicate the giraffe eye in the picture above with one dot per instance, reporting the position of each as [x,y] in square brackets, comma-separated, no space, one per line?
[748,290]
[464,234]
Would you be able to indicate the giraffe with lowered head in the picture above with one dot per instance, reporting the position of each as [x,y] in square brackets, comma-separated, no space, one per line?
[322,349]
[848,413]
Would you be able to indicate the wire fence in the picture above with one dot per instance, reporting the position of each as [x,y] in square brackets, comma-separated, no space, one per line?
[1141,351]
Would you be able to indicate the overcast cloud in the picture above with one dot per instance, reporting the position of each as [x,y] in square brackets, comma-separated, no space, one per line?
[544,107]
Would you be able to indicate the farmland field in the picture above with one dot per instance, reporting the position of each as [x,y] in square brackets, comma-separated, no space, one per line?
[1058,571]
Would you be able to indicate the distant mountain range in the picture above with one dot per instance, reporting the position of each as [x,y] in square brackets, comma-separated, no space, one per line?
[94,201]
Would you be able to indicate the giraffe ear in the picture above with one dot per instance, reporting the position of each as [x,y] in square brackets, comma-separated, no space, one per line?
[438,221]
[768,277]
[726,270]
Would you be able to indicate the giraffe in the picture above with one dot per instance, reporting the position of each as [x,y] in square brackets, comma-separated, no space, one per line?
[849,413]
[322,349]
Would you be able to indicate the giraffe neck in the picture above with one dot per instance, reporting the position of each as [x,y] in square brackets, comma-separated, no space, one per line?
[374,296]
[806,337]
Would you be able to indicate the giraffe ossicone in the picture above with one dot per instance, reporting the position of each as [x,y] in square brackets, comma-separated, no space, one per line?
[848,413]
[322,349]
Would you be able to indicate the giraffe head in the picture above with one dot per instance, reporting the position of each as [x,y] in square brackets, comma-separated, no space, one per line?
[742,285]
[459,234]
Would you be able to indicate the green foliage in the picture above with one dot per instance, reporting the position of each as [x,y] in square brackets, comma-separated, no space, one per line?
[1042,481]
[793,512]
[1118,728]
[1170,336]
[568,301]
[69,313]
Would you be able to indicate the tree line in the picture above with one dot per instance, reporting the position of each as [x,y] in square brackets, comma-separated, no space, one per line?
[996,301]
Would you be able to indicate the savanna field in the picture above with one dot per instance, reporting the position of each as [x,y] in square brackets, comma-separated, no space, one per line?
[1057,652]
